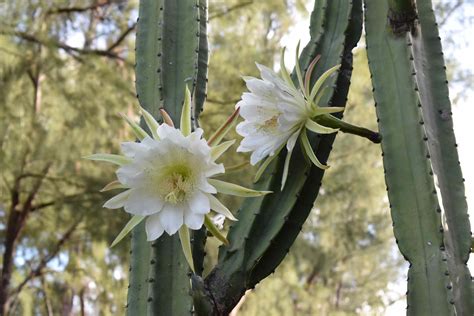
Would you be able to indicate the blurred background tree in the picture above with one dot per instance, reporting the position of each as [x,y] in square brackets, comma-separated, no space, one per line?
[66,71]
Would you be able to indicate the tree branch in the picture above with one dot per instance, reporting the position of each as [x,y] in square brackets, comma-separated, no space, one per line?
[38,271]
[69,10]
[229,10]
[67,48]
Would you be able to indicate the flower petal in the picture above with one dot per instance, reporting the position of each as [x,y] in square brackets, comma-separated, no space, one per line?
[171,218]
[117,201]
[290,145]
[143,202]
[199,203]
[193,221]
[153,227]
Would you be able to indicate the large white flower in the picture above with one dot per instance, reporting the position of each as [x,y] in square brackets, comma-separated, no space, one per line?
[167,178]
[276,112]
[167,181]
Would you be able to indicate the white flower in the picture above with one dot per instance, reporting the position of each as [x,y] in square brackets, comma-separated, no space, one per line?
[167,181]
[276,113]
[167,178]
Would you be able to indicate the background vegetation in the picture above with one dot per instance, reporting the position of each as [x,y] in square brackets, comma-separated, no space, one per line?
[66,71]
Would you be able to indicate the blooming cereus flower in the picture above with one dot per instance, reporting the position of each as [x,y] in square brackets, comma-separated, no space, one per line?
[167,177]
[276,113]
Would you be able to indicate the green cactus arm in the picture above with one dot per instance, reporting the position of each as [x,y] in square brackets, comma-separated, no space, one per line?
[169,289]
[148,63]
[434,95]
[414,206]
[203,59]
[293,223]
[316,31]
[271,219]
[169,281]
[167,43]
[139,263]
[148,80]
[261,220]
[180,41]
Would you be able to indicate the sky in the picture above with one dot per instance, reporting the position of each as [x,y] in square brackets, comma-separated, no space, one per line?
[463,111]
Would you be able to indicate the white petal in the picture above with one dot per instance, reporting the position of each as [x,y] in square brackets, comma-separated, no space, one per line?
[131,149]
[204,186]
[192,220]
[269,75]
[117,201]
[167,132]
[171,217]
[143,202]
[153,227]
[199,203]
[213,169]
[131,175]
[196,135]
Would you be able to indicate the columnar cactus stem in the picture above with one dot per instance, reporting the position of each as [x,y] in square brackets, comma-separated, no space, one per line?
[410,185]
[434,95]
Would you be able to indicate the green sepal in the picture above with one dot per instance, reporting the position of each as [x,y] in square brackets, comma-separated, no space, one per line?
[134,221]
[234,189]
[111,158]
[185,122]
[214,231]
[186,245]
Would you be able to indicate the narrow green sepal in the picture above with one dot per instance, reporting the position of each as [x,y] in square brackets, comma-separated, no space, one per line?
[309,151]
[112,186]
[134,221]
[265,164]
[151,123]
[298,68]
[319,129]
[319,83]
[185,123]
[234,189]
[284,71]
[214,230]
[186,245]
[220,149]
[220,208]
[137,130]
[111,158]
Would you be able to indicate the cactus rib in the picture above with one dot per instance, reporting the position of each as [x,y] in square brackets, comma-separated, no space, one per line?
[410,187]
[138,287]
[434,95]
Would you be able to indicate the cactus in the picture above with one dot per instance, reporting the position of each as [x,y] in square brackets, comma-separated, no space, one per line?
[417,141]
[434,95]
[166,48]
[407,122]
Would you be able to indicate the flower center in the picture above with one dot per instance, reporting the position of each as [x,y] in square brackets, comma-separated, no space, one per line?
[270,125]
[176,183]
